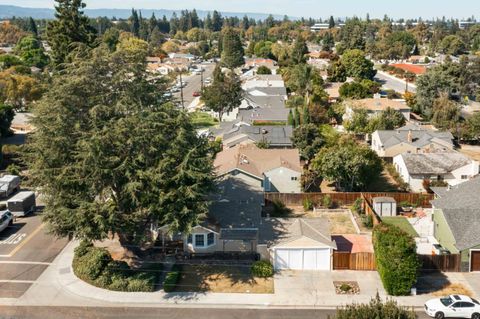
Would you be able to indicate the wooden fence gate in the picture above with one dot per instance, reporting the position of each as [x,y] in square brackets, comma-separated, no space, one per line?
[356,261]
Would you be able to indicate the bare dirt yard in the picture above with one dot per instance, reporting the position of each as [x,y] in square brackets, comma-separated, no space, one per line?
[340,220]
[473,151]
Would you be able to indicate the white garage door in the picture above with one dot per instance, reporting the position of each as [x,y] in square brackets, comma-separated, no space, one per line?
[302,259]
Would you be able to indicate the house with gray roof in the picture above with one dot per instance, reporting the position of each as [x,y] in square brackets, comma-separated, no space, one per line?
[411,138]
[234,133]
[457,221]
[264,116]
[452,168]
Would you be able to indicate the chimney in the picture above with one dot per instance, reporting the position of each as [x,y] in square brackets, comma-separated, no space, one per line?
[409,136]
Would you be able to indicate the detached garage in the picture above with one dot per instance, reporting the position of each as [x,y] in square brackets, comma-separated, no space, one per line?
[298,244]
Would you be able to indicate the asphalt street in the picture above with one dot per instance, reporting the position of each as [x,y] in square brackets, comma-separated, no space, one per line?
[393,84]
[25,252]
[194,84]
[159,313]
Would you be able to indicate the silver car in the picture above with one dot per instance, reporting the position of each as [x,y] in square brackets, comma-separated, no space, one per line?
[6,219]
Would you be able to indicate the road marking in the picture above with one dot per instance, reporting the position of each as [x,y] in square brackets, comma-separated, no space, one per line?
[13,239]
[21,262]
[16,249]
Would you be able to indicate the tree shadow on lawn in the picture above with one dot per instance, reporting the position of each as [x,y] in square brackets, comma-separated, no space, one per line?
[220,278]
[431,281]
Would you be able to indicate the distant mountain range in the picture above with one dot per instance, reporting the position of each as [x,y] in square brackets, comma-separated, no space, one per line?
[7,11]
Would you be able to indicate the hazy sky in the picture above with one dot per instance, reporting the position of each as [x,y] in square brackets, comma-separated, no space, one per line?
[314,8]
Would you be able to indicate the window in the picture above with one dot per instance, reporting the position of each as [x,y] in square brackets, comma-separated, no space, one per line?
[190,239]
[464,176]
[466,304]
[210,239]
[294,178]
[200,240]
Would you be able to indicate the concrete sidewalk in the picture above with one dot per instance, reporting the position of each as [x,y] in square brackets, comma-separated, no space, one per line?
[58,286]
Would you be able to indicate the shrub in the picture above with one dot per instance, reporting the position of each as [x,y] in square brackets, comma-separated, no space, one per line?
[83,248]
[307,204]
[367,221]
[13,169]
[171,280]
[327,201]
[91,265]
[357,206]
[375,309]
[345,287]
[262,269]
[396,256]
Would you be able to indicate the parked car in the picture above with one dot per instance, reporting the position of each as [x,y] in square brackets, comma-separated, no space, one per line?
[22,204]
[175,89]
[9,184]
[208,80]
[453,306]
[6,219]
[196,94]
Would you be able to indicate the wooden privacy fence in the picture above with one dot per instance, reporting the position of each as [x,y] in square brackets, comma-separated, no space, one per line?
[368,209]
[445,263]
[345,198]
[353,261]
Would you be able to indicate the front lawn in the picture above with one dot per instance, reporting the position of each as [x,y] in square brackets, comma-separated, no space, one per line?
[402,223]
[202,120]
[226,279]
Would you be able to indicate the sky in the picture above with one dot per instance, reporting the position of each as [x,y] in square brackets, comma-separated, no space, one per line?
[295,8]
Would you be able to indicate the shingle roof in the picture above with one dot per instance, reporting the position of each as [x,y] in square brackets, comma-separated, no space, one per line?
[420,137]
[277,231]
[461,207]
[267,91]
[434,163]
[267,101]
[264,114]
[255,161]
[275,135]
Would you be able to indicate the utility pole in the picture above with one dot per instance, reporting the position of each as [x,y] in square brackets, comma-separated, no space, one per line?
[181,90]
[201,78]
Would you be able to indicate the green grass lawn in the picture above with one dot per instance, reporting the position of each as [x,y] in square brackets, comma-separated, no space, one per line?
[202,120]
[402,223]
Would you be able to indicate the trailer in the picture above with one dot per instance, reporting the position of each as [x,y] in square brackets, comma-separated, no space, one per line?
[9,184]
[22,204]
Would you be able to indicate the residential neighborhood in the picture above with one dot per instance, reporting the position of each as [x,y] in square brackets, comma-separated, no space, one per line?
[299,160]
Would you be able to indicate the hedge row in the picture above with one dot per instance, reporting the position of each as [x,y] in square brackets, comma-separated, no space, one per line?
[171,279]
[95,266]
[396,256]
[376,308]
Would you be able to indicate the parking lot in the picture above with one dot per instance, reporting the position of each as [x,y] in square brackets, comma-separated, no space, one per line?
[25,252]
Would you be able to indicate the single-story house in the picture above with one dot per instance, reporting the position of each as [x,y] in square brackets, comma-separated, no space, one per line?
[268,91]
[457,221]
[264,116]
[262,101]
[185,56]
[375,106]
[296,243]
[275,170]
[333,91]
[160,68]
[451,167]
[263,80]
[235,132]
[411,138]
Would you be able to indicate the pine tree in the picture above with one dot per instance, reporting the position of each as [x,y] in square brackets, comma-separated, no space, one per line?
[153,23]
[174,24]
[71,27]
[194,20]
[135,23]
[32,26]
[291,120]
[331,23]
[208,22]
[298,51]
[232,49]
[217,21]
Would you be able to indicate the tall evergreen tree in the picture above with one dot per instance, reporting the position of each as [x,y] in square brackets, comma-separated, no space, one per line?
[298,51]
[32,26]
[111,157]
[71,27]
[152,23]
[208,25]
[331,23]
[135,23]
[174,24]
[232,49]
[217,21]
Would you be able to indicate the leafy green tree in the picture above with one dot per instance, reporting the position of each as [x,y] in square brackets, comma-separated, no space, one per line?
[9,60]
[446,113]
[264,70]
[359,121]
[6,117]
[357,66]
[232,49]
[473,126]
[111,37]
[298,51]
[111,157]
[390,119]
[337,72]
[263,49]
[70,28]
[350,166]
[31,51]
[224,94]
[453,45]
[308,139]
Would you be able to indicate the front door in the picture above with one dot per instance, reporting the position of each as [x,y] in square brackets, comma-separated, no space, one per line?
[475,258]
